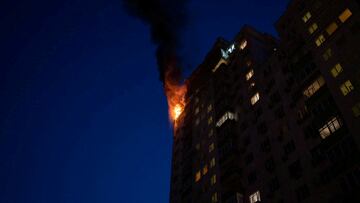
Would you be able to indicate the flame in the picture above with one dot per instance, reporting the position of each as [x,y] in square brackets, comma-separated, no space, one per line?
[175,94]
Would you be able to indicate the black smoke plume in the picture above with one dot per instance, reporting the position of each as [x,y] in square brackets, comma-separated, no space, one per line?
[166,19]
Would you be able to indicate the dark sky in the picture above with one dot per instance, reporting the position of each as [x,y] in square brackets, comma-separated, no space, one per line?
[83,117]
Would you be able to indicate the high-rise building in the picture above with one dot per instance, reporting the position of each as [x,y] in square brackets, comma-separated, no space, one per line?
[270,120]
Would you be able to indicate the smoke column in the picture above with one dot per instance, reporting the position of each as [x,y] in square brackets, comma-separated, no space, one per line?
[166,19]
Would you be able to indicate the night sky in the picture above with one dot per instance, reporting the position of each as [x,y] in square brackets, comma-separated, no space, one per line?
[83,116]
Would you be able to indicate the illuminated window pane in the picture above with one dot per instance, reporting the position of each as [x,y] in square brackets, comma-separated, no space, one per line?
[205,170]
[346,87]
[255,197]
[212,163]
[331,28]
[356,110]
[214,198]
[330,127]
[227,116]
[314,87]
[313,28]
[243,44]
[336,70]
[320,40]
[209,108]
[255,98]
[210,120]
[197,110]
[211,147]
[249,74]
[211,132]
[306,17]
[345,15]
[197,176]
[213,180]
[221,62]
[327,54]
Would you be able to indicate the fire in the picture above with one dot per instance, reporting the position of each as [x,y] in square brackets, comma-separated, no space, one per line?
[175,94]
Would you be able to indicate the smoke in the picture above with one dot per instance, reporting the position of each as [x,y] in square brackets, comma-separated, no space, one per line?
[166,19]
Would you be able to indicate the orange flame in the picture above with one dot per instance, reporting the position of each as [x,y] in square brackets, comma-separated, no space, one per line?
[175,94]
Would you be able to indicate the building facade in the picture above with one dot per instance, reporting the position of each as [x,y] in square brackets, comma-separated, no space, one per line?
[271,120]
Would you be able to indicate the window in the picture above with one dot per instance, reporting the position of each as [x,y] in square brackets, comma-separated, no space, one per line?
[327,54]
[197,121]
[210,120]
[211,147]
[252,85]
[213,180]
[249,74]
[255,98]
[211,132]
[331,28]
[209,108]
[306,17]
[345,15]
[330,127]
[212,163]
[346,87]
[205,169]
[255,197]
[248,63]
[320,40]
[196,110]
[227,116]
[221,62]
[356,110]
[214,198]
[197,147]
[336,70]
[243,44]
[314,87]
[313,28]
[197,176]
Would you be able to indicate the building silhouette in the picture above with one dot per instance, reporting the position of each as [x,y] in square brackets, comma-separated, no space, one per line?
[275,120]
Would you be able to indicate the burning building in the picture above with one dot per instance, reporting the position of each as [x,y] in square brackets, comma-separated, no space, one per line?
[268,120]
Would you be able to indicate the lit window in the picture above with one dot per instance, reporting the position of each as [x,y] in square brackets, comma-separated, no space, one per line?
[306,17]
[331,28]
[313,28]
[249,74]
[221,62]
[255,197]
[227,116]
[197,110]
[356,110]
[336,70]
[327,54]
[252,85]
[197,176]
[214,198]
[211,147]
[314,87]
[243,44]
[330,127]
[255,98]
[346,87]
[213,180]
[320,40]
[210,120]
[212,162]
[209,108]
[211,133]
[205,170]
[345,15]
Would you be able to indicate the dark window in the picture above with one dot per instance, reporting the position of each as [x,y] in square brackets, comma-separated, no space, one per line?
[289,147]
[252,177]
[302,192]
[295,169]
[249,158]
